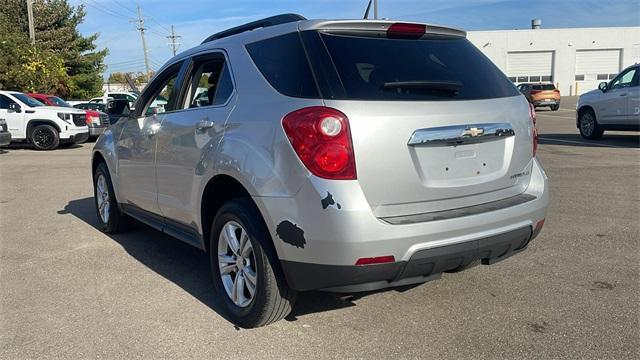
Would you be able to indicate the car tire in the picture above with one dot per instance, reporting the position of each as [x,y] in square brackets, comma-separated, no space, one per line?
[44,137]
[588,125]
[249,264]
[555,107]
[110,219]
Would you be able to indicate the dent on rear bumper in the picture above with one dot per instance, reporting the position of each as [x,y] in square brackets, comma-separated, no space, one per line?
[331,223]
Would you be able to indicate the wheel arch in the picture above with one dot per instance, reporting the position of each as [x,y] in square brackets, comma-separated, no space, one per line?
[582,110]
[35,122]
[219,190]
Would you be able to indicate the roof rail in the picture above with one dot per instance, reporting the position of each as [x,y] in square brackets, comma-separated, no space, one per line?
[263,23]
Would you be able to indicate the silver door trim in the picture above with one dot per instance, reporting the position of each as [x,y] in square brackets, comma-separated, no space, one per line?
[461,134]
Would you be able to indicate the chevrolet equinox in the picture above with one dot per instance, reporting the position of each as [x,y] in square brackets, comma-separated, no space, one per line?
[342,156]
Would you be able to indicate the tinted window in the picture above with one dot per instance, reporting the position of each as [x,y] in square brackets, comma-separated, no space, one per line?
[5,101]
[160,95]
[210,82]
[544,87]
[58,102]
[225,87]
[399,69]
[29,101]
[282,61]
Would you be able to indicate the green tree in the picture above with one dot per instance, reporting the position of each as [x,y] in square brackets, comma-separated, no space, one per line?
[56,23]
[27,68]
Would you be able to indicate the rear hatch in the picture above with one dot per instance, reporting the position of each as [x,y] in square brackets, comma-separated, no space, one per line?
[544,91]
[435,125]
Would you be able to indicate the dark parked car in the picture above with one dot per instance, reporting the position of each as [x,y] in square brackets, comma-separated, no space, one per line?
[5,135]
[114,109]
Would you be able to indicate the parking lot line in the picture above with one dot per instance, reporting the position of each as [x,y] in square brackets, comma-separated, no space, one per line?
[561,117]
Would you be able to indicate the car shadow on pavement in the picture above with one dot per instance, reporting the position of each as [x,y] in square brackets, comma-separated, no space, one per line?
[27,146]
[608,140]
[188,267]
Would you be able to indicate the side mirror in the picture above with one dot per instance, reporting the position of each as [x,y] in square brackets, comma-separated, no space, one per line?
[603,86]
[15,107]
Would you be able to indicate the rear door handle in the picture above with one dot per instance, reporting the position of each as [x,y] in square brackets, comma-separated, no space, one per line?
[204,124]
[623,94]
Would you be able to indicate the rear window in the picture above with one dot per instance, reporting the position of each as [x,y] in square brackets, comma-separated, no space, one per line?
[543,87]
[283,62]
[58,102]
[400,69]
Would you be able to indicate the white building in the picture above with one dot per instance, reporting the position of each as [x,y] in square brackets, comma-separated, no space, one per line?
[576,60]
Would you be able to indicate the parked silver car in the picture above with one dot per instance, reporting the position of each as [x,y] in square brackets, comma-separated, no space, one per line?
[613,106]
[335,155]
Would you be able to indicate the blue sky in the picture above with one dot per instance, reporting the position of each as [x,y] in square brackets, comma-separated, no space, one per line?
[194,20]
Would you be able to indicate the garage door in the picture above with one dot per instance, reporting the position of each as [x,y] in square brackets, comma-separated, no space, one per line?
[594,67]
[530,66]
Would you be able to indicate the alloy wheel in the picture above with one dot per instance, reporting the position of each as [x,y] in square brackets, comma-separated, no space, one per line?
[102,197]
[43,138]
[587,124]
[237,265]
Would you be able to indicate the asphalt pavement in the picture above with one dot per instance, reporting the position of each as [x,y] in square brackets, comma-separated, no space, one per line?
[69,291]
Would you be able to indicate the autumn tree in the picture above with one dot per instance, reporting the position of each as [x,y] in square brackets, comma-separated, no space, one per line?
[58,41]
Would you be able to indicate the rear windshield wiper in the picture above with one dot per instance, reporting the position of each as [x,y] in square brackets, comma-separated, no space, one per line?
[448,86]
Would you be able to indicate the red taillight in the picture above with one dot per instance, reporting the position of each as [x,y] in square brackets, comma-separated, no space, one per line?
[92,117]
[321,138]
[375,260]
[557,91]
[404,30]
[534,132]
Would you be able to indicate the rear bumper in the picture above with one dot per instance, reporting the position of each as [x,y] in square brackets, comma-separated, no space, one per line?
[96,131]
[546,102]
[424,265]
[320,236]
[5,138]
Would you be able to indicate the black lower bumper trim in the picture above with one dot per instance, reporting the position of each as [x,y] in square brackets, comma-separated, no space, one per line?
[423,266]
[5,138]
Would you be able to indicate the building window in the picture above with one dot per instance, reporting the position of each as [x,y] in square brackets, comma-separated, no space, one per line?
[547,78]
[579,77]
[603,76]
[523,78]
[611,76]
[535,78]
[512,78]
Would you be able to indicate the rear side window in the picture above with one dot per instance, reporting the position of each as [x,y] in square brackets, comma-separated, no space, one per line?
[401,69]
[283,62]
[544,87]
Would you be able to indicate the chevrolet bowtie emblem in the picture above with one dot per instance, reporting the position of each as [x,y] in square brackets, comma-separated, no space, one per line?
[473,132]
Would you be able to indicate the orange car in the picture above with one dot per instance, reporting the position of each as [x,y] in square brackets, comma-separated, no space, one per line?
[541,94]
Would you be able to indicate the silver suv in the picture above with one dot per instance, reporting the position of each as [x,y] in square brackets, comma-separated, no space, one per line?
[341,156]
[613,106]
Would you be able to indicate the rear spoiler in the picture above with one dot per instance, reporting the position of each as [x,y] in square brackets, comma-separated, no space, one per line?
[371,27]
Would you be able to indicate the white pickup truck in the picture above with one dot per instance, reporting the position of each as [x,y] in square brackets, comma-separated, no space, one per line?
[45,127]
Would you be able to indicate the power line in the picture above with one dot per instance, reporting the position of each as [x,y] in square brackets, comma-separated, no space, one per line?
[124,7]
[105,10]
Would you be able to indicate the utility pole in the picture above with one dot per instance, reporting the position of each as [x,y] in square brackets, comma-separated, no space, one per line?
[375,9]
[173,37]
[32,31]
[140,26]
